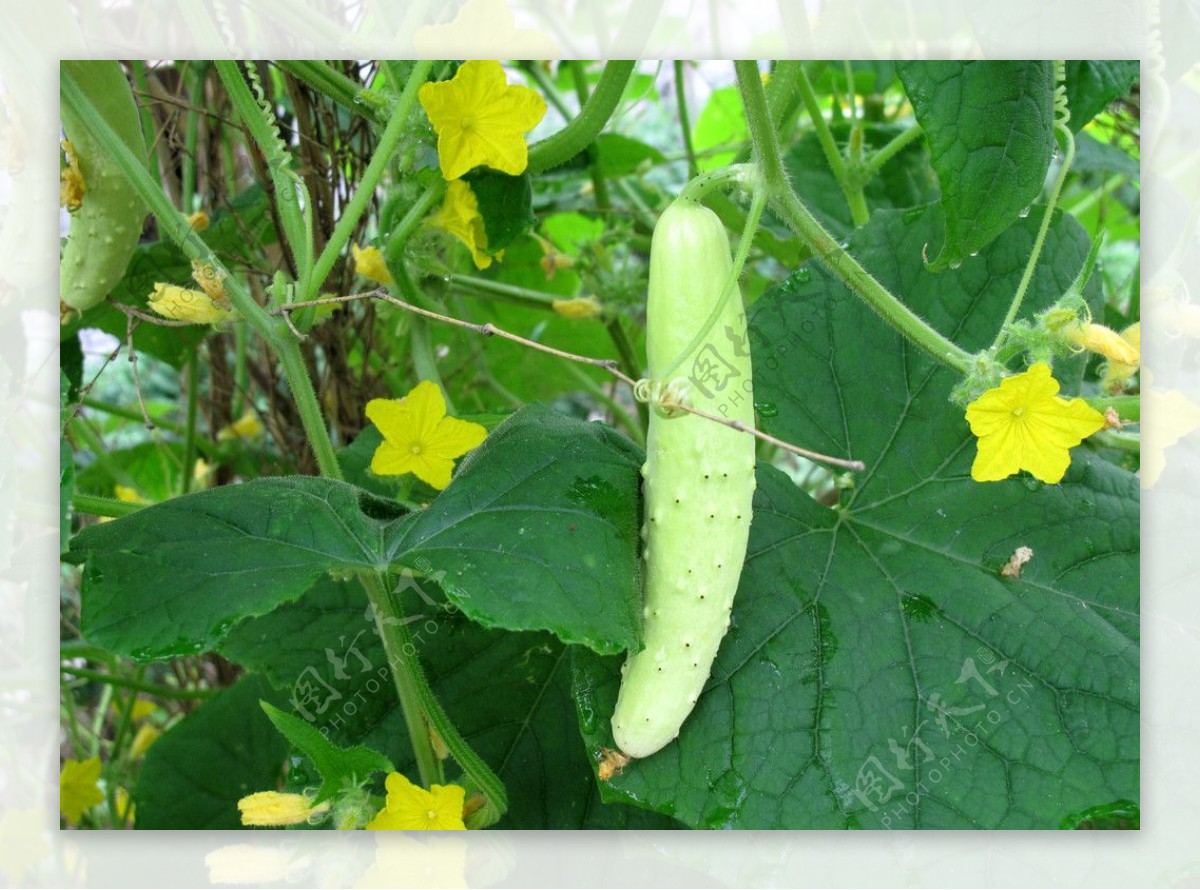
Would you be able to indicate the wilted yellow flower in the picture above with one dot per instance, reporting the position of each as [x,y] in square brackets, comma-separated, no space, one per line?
[418,437]
[1117,373]
[184,304]
[369,263]
[460,217]
[79,788]
[579,307]
[411,808]
[1024,425]
[1104,341]
[248,426]
[71,185]
[275,809]
[198,221]
[481,120]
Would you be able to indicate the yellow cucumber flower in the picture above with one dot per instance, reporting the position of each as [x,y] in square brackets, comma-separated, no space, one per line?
[410,808]
[1118,372]
[275,809]
[184,304]
[198,221]
[1024,425]
[369,263]
[1105,341]
[418,437]
[481,120]
[79,788]
[460,217]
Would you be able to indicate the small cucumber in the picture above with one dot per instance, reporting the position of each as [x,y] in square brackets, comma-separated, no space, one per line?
[106,228]
[699,478]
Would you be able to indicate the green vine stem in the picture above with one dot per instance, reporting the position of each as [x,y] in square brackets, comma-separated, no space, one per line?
[851,188]
[291,196]
[347,93]
[1062,116]
[875,162]
[189,437]
[136,685]
[823,245]
[1128,408]
[599,185]
[95,505]
[274,331]
[685,125]
[371,177]
[583,130]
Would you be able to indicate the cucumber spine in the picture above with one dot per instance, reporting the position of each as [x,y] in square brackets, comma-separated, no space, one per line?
[699,479]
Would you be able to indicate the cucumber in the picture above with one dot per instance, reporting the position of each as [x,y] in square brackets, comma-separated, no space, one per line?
[106,227]
[699,478]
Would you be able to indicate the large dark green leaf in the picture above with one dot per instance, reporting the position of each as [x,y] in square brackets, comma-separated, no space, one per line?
[540,528]
[905,181]
[879,671]
[990,131]
[1091,85]
[507,692]
[537,531]
[195,774]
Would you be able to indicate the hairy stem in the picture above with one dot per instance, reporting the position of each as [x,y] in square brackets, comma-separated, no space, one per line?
[824,247]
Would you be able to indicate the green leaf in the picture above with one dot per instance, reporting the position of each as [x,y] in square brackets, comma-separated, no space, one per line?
[1091,85]
[870,75]
[905,181]
[990,132]
[1092,155]
[506,692]
[879,641]
[194,775]
[505,203]
[156,466]
[721,123]
[537,531]
[172,578]
[66,490]
[623,155]
[340,768]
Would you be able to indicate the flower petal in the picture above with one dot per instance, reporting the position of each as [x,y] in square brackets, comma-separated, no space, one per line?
[454,437]
[432,469]
[392,460]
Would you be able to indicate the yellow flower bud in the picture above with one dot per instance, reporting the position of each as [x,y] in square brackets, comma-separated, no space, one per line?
[182,304]
[369,263]
[1118,372]
[248,426]
[1105,341]
[275,809]
[580,307]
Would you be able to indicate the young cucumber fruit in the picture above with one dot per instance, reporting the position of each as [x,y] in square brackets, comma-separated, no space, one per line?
[106,227]
[699,478]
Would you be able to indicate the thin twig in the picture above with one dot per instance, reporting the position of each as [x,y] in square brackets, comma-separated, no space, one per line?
[287,317]
[130,327]
[133,312]
[609,365]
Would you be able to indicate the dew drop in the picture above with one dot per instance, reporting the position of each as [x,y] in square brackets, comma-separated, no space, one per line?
[766,409]
[801,276]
